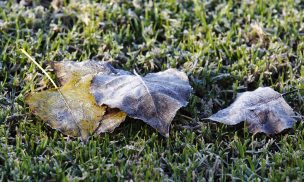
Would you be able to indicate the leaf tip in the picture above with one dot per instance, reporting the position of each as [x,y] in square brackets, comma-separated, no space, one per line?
[167,135]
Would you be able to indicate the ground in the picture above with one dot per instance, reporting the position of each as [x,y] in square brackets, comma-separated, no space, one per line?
[225,47]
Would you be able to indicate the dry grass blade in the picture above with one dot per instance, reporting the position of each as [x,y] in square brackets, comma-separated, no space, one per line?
[38,65]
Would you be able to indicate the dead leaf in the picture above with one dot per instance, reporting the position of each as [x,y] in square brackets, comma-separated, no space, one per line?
[257,35]
[72,110]
[154,98]
[264,109]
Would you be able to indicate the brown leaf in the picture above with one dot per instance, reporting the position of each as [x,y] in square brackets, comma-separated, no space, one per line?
[264,109]
[154,98]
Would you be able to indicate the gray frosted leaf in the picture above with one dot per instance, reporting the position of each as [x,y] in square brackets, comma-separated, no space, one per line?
[65,70]
[154,98]
[264,109]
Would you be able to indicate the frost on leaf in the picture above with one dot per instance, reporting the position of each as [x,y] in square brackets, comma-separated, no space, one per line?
[154,98]
[72,110]
[264,109]
[66,69]
[96,98]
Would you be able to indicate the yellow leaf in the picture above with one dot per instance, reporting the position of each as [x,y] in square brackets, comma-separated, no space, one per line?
[72,109]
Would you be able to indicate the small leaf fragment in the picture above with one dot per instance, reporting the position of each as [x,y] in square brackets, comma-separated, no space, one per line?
[264,109]
[154,98]
[112,119]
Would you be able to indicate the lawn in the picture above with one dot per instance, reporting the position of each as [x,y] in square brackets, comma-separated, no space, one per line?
[225,47]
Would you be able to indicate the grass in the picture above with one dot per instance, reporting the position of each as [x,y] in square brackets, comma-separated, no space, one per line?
[225,47]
